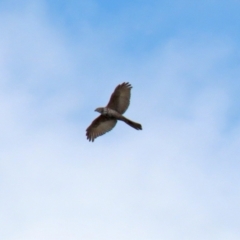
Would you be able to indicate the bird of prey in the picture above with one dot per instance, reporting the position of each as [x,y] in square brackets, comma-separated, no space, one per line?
[118,104]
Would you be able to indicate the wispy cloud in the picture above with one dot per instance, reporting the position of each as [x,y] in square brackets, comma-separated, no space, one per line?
[178,178]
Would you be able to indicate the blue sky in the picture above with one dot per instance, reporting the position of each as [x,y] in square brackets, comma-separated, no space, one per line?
[176,179]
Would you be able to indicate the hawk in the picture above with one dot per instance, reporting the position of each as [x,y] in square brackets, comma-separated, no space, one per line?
[118,104]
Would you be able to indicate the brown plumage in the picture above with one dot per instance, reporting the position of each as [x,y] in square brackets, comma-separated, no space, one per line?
[117,105]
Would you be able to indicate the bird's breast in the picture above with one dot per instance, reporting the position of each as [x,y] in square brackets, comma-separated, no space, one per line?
[109,112]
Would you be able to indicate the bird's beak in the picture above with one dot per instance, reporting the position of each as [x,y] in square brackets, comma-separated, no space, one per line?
[96,110]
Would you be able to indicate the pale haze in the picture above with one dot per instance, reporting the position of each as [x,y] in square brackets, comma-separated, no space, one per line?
[178,178]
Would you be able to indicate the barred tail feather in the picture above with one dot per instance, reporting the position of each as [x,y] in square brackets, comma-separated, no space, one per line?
[135,125]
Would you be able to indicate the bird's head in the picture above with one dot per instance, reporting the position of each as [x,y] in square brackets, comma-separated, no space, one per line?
[100,110]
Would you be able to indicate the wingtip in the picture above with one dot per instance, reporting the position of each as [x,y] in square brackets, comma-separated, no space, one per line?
[126,84]
[89,138]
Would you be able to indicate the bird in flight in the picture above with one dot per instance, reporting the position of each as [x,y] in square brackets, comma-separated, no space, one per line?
[117,105]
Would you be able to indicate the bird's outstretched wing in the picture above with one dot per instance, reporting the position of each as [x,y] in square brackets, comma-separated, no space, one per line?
[99,126]
[120,98]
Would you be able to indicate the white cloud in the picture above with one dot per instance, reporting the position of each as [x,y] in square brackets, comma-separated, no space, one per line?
[178,178]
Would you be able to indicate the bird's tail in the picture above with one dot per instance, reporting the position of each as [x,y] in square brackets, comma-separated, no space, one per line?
[135,125]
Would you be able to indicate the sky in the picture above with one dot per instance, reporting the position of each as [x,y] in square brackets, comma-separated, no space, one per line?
[178,178]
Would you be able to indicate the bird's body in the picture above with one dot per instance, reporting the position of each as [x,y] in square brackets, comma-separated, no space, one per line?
[112,113]
[118,104]
[108,112]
